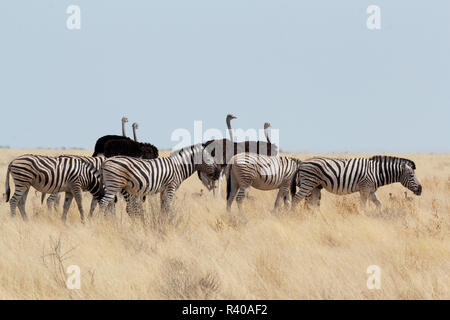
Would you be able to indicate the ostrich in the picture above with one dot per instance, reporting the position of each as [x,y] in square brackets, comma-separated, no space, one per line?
[135,126]
[223,150]
[101,142]
[130,148]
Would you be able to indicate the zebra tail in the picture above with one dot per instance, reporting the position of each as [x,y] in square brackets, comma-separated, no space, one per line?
[8,189]
[294,184]
[42,197]
[228,181]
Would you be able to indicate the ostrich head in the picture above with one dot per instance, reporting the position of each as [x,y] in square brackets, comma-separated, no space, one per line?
[230,117]
[135,125]
[124,119]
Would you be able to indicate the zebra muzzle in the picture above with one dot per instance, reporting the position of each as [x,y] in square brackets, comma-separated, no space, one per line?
[418,191]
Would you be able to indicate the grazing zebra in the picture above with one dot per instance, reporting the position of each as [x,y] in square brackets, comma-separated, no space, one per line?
[345,176]
[52,175]
[164,175]
[96,162]
[261,172]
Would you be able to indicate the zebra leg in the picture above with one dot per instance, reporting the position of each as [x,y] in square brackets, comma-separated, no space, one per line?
[56,203]
[287,198]
[17,196]
[22,202]
[364,196]
[92,208]
[77,192]
[240,197]
[304,191]
[282,192]
[53,202]
[375,200]
[232,188]
[107,201]
[314,198]
[166,199]
[67,201]
[50,200]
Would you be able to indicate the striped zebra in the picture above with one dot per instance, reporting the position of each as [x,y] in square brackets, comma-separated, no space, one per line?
[96,162]
[261,172]
[345,176]
[51,175]
[139,177]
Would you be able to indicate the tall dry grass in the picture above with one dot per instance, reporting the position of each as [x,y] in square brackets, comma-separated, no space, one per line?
[204,252]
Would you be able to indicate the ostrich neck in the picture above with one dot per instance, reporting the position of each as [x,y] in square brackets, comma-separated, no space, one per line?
[230,131]
[134,134]
[266,132]
[123,129]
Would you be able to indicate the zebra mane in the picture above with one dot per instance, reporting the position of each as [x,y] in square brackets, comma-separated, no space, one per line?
[91,168]
[393,159]
[296,160]
[190,150]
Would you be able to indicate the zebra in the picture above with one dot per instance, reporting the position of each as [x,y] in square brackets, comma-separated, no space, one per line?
[51,175]
[261,172]
[163,175]
[345,176]
[96,162]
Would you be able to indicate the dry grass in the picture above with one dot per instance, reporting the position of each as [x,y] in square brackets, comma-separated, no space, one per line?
[203,252]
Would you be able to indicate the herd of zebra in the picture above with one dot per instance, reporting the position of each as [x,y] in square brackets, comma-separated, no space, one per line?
[120,165]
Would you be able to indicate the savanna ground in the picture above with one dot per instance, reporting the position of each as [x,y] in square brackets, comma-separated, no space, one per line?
[205,253]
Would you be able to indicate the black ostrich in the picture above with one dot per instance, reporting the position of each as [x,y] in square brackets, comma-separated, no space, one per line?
[101,142]
[222,150]
[130,148]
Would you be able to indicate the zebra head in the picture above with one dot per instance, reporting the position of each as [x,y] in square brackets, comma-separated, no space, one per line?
[208,167]
[206,181]
[94,181]
[409,180]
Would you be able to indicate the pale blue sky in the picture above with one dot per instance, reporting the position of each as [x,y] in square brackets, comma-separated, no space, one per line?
[311,68]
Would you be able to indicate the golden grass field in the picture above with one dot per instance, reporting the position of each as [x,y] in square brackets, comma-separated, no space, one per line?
[205,253]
